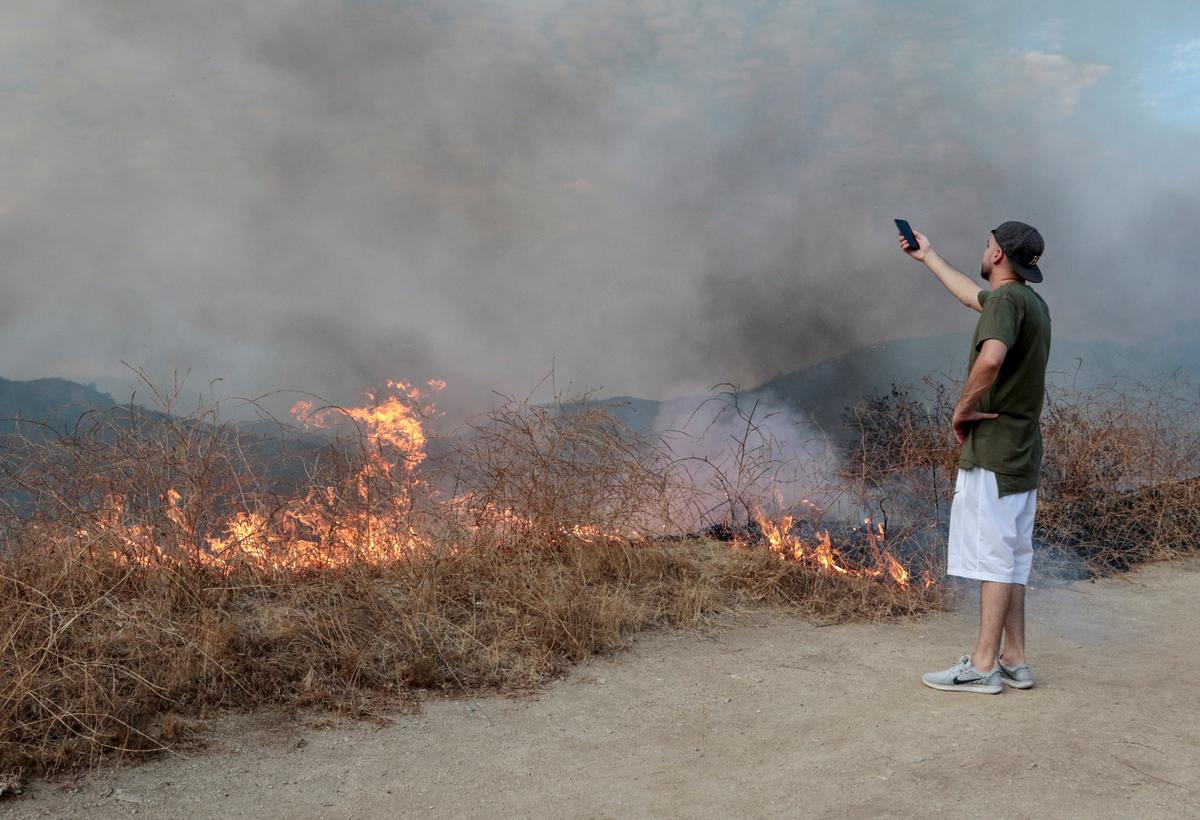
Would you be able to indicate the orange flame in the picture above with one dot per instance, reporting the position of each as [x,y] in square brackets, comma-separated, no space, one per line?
[788,546]
[324,529]
[319,529]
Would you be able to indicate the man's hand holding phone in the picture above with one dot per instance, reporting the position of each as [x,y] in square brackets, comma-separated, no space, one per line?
[922,247]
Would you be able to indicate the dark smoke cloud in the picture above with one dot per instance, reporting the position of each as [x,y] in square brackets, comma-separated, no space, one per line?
[651,196]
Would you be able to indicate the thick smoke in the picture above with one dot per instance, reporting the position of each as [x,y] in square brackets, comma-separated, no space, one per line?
[322,195]
[746,454]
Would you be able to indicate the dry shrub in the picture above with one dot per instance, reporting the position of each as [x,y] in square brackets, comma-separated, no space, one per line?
[899,450]
[156,567]
[1121,484]
[1120,479]
[571,468]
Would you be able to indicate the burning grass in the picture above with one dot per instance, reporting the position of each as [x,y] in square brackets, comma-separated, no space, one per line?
[157,567]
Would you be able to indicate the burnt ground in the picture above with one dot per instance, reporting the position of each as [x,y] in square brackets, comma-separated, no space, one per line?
[768,716]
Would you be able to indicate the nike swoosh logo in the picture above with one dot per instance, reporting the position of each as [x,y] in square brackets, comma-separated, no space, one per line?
[958,681]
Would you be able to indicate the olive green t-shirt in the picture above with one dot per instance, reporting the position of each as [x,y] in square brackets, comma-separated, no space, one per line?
[1011,445]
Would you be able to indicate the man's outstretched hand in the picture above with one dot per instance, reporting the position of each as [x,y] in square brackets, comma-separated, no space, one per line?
[963,420]
[918,253]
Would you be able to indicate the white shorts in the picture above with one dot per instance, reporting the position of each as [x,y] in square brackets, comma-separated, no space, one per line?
[991,538]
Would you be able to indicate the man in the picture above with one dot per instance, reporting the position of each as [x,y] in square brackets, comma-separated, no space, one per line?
[997,422]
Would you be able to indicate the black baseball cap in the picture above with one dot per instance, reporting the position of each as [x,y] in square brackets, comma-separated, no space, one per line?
[1023,246]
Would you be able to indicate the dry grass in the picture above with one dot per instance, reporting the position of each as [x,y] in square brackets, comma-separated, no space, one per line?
[103,659]
[346,578]
[1122,483]
[350,575]
[1120,480]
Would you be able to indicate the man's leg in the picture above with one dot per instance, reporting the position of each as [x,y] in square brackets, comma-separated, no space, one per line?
[1014,627]
[967,532]
[994,599]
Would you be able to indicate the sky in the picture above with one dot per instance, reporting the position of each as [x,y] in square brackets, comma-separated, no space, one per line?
[645,197]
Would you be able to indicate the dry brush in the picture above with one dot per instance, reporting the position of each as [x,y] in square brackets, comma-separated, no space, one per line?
[155,567]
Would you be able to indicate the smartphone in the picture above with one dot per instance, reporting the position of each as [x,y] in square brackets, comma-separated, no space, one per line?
[906,231]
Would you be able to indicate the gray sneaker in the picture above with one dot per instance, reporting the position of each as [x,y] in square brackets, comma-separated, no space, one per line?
[964,677]
[1018,677]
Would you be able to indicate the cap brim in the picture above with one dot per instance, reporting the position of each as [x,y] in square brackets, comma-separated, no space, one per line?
[1030,274]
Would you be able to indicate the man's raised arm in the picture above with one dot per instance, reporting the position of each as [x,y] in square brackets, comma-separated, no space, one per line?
[962,286]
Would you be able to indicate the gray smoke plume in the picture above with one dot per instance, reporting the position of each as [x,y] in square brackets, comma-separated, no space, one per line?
[322,194]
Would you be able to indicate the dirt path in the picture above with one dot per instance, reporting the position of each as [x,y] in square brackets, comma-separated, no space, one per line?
[771,716]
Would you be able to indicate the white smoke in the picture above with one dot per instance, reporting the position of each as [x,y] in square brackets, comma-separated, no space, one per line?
[745,453]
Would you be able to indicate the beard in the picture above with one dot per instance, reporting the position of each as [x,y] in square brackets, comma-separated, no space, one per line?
[985,273]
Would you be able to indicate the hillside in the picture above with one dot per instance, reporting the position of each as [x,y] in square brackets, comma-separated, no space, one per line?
[823,390]
[56,401]
[819,391]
